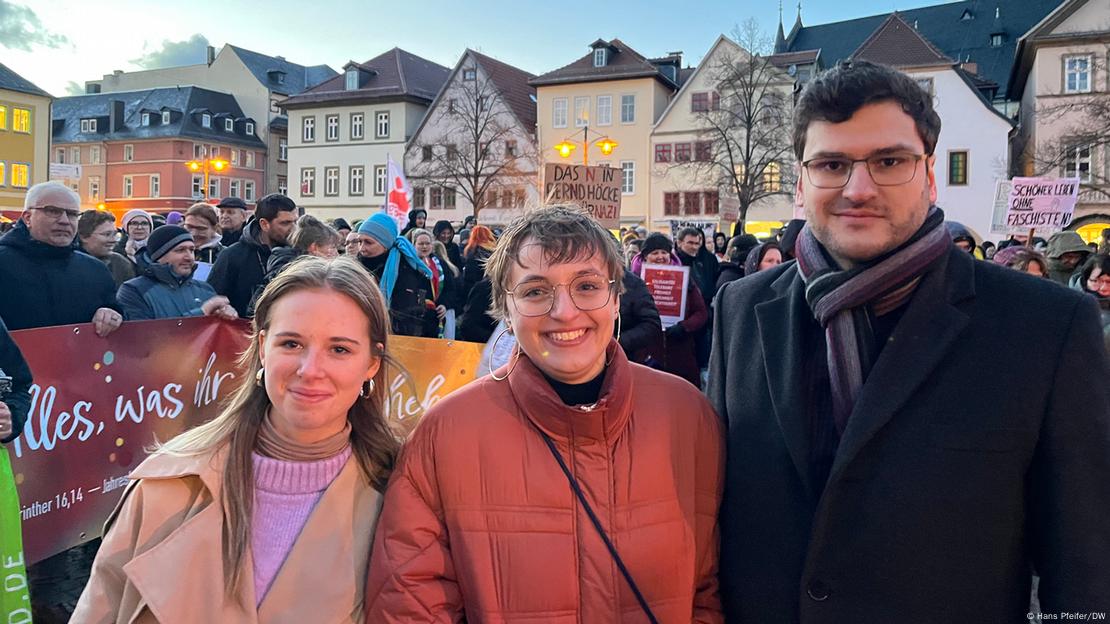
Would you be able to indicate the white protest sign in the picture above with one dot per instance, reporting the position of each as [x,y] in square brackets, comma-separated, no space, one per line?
[999,208]
[1045,204]
[63,171]
[596,189]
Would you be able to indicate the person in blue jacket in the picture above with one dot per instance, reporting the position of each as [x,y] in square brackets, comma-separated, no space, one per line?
[166,289]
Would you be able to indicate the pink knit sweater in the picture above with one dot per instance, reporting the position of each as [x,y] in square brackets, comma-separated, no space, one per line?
[285,492]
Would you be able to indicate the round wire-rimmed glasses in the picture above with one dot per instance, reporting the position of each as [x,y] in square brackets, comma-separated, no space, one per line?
[537,297]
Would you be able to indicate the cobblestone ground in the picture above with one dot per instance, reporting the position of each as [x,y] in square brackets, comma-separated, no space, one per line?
[57,582]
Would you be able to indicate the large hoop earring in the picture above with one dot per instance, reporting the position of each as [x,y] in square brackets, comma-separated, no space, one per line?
[259,376]
[514,361]
[367,389]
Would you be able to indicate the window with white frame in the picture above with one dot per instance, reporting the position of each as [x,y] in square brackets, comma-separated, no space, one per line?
[1077,74]
[213,187]
[155,185]
[213,151]
[600,56]
[379,180]
[470,74]
[308,181]
[628,109]
[331,181]
[88,126]
[233,188]
[332,125]
[357,180]
[128,186]
[198,186]
[128,152]
[356,126]
[581,111]
[234,157]
[60,155]
[559,113]
[250,160]
[94,154]
[381,125]
[229,125]
[205,120]
[1077,162]
[248,190]
[94,189]
[351,79]
[75,155]
[165,117]
[283,149]
[604,110]
[249,128]
[198,150]
[308,129]
[628,177]
[146,119]
[283,185]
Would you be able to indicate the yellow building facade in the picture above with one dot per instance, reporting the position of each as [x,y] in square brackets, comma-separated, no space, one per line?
[24,138]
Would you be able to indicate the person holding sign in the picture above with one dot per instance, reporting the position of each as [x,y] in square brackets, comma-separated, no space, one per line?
[569,485]
[683,314]
[267,512]
[877,471]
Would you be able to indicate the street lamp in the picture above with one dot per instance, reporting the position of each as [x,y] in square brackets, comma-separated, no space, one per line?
[206,165]
[566,147]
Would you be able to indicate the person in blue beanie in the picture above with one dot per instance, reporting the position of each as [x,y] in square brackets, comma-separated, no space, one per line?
[404,279]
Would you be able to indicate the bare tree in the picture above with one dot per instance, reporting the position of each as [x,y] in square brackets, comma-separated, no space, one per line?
[744,128]
[1081,125]
[473,144]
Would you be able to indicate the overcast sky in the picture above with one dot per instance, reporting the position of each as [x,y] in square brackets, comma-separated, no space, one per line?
[58,45]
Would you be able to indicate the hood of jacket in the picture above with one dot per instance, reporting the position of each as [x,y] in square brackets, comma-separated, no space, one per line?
[252,235]
[164,274]
[19,238]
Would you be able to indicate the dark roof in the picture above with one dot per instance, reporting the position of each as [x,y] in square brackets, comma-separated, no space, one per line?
[297,78]
[394,74]
[14,82]
[512,84]
[802,57]
[69,111]
[897,44]
[977,85]
[961,39]
[279,122]
[623,63]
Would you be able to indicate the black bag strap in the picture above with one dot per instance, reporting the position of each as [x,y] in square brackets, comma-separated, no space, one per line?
[597,525]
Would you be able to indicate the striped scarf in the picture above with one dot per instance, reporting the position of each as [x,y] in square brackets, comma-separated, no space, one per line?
[840,301]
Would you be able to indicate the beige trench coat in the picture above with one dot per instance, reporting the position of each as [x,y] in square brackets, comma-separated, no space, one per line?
[161,556]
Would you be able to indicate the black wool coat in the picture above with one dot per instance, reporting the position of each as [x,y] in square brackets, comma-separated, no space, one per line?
[955,478]
[42,285]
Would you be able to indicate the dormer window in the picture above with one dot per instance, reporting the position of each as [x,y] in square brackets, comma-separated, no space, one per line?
[470,74]
[250,129]
[146,119]
[276,76]
[601,56]
[165,117]
[967,15]
[205,120]
[997,39]
[88,126]
[229,125]
[352,79]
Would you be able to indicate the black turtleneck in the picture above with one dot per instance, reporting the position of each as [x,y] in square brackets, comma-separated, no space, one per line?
[586,393]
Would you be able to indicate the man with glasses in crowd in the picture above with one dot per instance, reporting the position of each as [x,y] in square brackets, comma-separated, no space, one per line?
[44,280]
[878,469]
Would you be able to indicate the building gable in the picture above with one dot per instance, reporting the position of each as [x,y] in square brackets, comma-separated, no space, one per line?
[676,116]
[897,44]
[621,62]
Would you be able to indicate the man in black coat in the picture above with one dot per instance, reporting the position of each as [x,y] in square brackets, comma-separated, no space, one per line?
[878,469]
[15,403]
[242,267]
[44,280]
[640,326]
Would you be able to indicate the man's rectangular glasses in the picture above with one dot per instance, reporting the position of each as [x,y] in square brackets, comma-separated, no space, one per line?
[885,169]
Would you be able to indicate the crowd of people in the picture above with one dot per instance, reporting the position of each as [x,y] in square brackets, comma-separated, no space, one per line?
[817,439]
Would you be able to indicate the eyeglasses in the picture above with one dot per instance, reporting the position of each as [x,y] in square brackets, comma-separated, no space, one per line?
[885,169]
[56,213]
[138,223]
[537,298]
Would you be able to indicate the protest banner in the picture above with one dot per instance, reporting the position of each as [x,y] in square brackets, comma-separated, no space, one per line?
[708,228]
[1000,207]
[96,410]
[1045,204]
[667,285]
[596,189]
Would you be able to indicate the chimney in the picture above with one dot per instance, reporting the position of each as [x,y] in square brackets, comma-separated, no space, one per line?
[211,54]
[971,68]
[115,116]
[678,55]
[117,72]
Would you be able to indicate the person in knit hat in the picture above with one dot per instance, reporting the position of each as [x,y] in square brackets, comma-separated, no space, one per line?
[1066,252]
[137,226]
[174,218]
[404,279]
[166,288]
